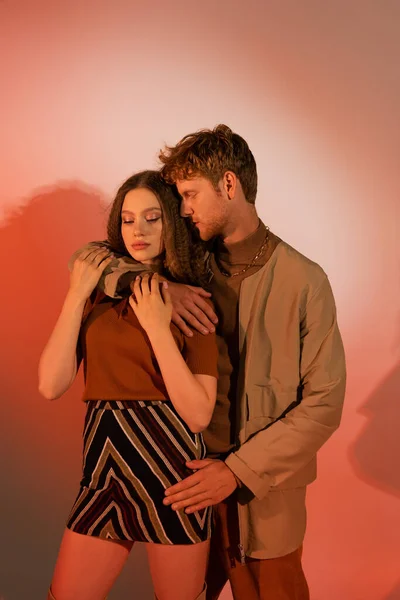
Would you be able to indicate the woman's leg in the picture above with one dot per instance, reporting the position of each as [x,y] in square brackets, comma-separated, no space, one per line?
[87,566]
[178,572]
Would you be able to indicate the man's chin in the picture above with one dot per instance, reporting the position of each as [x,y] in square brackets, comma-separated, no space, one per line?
[204,234]
[206,237]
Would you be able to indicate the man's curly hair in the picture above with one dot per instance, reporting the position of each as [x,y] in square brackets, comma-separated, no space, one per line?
[210,153]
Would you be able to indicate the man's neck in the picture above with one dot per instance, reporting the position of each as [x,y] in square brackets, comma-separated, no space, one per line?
[244,224]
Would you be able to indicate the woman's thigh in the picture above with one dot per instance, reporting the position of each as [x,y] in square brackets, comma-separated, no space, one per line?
[87,566]
[178,571]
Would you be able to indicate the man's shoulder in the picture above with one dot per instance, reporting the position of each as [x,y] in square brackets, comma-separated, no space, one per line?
[296,265]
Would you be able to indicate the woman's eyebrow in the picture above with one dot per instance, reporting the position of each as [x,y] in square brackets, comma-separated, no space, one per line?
[130,212]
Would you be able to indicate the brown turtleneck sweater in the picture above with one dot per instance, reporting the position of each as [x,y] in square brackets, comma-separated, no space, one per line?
[220,435]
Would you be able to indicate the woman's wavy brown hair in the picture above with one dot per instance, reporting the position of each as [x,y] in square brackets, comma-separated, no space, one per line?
[210,153]
[184,251]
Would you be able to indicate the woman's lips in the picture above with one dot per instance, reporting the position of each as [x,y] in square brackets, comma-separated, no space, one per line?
[140,246]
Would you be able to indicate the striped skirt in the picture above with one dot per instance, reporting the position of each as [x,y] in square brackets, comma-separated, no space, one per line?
[132,452]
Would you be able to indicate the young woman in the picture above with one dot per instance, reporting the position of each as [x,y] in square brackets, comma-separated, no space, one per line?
[149,390]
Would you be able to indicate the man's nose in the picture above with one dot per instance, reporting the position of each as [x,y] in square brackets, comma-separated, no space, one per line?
[186,211]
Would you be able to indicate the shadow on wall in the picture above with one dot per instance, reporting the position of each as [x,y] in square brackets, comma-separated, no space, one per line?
[373,452]
[394,594]
[40,445]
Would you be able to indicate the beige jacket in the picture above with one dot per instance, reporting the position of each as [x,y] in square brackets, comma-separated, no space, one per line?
[291,391]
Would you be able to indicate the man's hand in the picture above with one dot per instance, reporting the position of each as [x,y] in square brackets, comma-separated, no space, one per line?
[189,307]
[212,482]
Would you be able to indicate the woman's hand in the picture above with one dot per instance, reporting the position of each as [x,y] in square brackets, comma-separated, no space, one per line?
[152,308]
[87,270]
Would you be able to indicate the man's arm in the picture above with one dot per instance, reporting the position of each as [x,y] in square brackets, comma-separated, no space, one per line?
[189,303]
[276,453]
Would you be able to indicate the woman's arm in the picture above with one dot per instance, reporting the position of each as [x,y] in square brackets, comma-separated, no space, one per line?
[58,363]
[193,396]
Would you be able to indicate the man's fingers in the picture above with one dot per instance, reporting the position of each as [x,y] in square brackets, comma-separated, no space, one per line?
[204,504]
[199,464]
[205,308]
[187,496]
[191,319]
[181,325]
[201,318]
[192,501]
[199,291]
[185,484]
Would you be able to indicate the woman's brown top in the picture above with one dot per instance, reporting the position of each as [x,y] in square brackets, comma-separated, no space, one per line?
[119,363]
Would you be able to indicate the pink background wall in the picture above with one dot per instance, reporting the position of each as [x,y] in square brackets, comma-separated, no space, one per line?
[90,92]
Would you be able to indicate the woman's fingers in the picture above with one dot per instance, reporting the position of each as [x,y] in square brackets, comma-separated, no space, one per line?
[146,284]
[101,257]
[85,255]
[166,296]
[104,264]
[155,285]
[149,285]
[137,289]
[91,254]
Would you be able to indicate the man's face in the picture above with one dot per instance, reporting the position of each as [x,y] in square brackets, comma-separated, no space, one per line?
[206,207]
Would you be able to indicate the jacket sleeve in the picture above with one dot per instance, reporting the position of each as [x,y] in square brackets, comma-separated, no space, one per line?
[276,453]
[116,278]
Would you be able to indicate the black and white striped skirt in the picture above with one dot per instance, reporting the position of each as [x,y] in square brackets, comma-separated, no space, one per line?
[133,451]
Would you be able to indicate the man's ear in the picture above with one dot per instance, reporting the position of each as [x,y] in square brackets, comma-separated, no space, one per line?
[229,181]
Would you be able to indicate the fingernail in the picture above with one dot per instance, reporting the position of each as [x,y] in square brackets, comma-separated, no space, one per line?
[212,329]
[165,284]
[205,331]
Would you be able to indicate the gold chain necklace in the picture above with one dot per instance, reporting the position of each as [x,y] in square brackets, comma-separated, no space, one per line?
[254,260]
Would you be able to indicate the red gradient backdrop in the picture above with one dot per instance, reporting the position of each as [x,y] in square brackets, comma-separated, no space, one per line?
[91,90]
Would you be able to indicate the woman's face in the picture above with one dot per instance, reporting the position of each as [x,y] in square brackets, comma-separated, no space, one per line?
[141,225]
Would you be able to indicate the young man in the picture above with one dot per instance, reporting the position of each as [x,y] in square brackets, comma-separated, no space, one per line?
[281,373]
